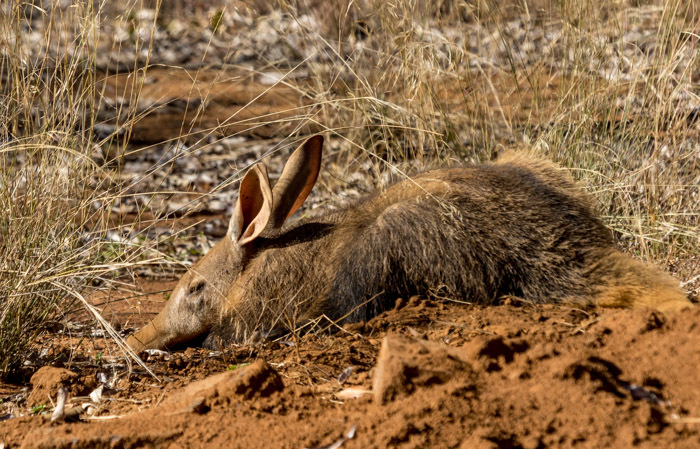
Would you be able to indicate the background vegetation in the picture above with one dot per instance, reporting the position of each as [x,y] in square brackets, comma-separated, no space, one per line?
[609,89]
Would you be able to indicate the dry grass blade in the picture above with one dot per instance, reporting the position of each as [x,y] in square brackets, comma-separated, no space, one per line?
[113,334]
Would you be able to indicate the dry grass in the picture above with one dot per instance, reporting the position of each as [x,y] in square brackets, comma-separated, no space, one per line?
[608,89]
[55,237]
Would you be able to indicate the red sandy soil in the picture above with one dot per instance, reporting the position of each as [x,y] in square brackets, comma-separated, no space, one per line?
[450,375]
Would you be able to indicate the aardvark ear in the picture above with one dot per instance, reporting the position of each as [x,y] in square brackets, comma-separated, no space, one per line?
[253,208]
[297,180]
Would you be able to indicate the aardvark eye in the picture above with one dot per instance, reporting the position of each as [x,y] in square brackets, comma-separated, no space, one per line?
[196,286]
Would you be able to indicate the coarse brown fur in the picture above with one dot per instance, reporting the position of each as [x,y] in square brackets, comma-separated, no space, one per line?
[518,226]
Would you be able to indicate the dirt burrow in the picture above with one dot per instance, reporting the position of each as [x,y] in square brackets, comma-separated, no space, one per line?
[428,374]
